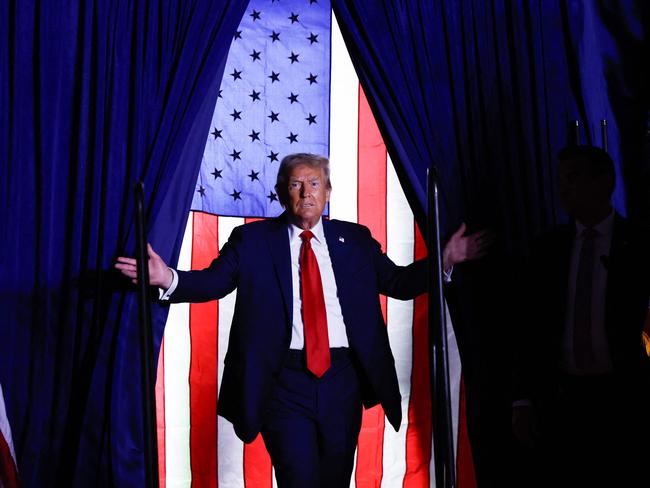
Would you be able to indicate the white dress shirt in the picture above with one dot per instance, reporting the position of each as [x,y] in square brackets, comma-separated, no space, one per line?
[163,294]
[602,244]
[335,325]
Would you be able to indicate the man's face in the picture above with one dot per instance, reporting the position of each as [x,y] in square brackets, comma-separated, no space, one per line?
[307,195]
[582,192]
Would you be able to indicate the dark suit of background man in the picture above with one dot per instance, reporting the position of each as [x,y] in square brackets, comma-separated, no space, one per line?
[309,416]
[583,379]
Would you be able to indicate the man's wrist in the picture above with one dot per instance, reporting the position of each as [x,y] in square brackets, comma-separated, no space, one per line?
[165,293]
[170,279]
[445,259]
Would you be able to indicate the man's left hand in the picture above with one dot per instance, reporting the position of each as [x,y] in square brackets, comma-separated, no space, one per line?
[462,248]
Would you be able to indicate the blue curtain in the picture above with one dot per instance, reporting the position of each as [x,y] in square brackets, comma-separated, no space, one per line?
[486,91]
[94,96]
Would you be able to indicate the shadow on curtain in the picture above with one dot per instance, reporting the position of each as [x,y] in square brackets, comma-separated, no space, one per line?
[95,96]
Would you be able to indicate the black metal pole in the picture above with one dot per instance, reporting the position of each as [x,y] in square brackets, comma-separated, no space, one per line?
[146,345]
[603,134]
[443,440]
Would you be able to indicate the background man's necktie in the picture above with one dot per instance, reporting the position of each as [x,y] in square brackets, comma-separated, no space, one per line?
[582,340]
[314,317]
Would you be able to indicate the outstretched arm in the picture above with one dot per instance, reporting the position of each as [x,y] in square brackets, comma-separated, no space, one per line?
[159,273]
[409,281]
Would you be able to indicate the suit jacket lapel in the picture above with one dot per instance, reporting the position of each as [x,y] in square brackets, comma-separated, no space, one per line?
[338,250]
[278,239]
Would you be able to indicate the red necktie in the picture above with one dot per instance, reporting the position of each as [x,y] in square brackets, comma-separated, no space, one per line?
[314,317]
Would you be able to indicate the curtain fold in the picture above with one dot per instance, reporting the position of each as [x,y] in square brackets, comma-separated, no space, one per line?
[95,97]
[486,91]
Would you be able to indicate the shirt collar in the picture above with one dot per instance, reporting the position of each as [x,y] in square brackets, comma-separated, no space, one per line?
[317,230]
[604,227]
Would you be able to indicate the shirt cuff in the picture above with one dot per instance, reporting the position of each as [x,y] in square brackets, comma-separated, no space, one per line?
[446,275]
[164,295]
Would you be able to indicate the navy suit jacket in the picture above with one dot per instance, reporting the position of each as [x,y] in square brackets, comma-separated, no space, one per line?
[542,320]
[256,261]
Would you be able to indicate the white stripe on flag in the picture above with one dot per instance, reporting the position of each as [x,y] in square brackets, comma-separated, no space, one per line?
[454,387]
[230,449]
[344,126]
[400,248]
[177,389]
[454,377]
[344,101]
[5,427]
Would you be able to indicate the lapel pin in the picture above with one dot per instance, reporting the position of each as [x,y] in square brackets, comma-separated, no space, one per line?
[341,239]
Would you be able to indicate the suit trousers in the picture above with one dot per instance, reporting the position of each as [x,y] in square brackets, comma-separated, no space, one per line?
[311,426]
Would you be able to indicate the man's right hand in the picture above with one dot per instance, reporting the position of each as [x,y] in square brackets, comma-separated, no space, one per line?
[159,273]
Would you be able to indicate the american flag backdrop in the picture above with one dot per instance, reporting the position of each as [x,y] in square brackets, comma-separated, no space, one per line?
[273,101]
[289,86]
[8,468]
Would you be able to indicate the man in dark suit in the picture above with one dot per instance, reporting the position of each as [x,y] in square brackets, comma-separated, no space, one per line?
[308,344]
[581,389]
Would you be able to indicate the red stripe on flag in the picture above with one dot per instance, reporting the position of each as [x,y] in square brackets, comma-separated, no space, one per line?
[464,462]
[418,433]
[258,471]
[371,202]
[371,195]
[160,415]
[203,363]
[8,471]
